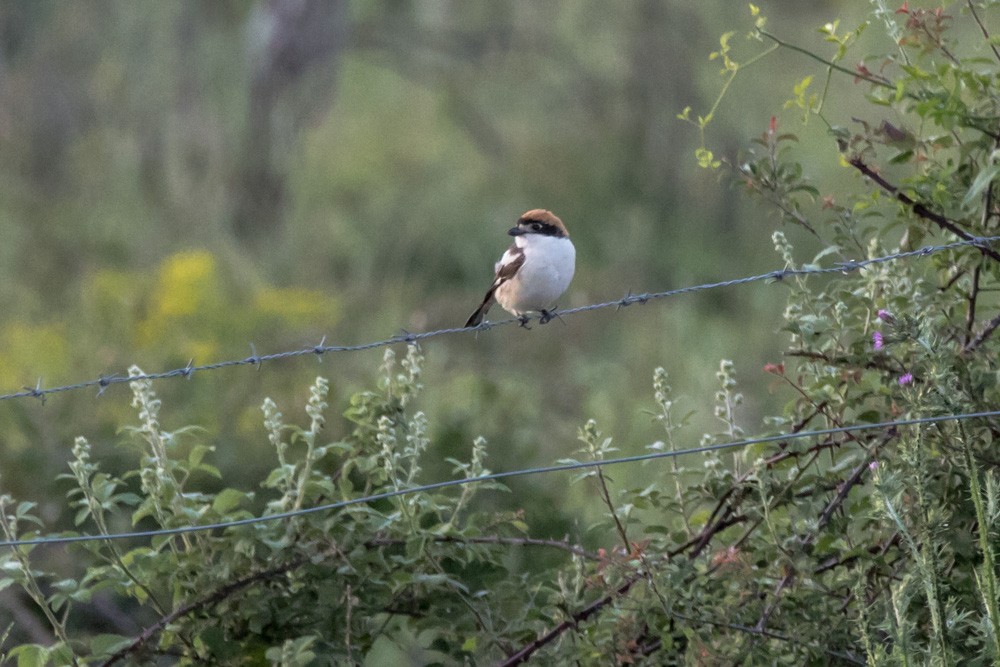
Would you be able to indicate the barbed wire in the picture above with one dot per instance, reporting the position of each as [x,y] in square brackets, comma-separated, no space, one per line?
[845,267]
[563,467]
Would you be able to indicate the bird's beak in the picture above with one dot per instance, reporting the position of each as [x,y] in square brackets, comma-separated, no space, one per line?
[516,231]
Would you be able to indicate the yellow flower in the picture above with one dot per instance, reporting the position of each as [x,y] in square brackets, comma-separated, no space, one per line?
[295,305]
[185,285]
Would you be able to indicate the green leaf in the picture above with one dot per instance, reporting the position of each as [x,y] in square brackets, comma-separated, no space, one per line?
[227,500]
[870,417]
[107,644]
[982,182]
[197,454]
[902,157]
[30,655]
[81,516]
[210,470]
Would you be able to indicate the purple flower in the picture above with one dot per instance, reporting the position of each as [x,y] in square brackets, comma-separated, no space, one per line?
[877,340]
[873,466]
[886,316]
[905,379]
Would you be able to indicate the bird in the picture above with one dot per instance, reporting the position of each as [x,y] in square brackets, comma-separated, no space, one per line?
[534,272]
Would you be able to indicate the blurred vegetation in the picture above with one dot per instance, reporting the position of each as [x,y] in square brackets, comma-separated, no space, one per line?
[182,181]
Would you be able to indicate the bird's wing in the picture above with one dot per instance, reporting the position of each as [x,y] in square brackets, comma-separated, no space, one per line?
[505,269]
[508,266]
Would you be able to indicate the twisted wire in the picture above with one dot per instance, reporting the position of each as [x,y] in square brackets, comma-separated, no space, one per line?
[563,467]
[845,267]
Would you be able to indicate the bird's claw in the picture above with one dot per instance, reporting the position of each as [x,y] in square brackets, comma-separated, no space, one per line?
[524,319]
[548,316]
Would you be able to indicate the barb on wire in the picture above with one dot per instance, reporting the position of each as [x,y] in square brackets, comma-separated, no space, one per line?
[737,444]
[103,382]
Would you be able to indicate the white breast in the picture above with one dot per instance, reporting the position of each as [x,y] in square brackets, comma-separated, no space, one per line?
[548,267]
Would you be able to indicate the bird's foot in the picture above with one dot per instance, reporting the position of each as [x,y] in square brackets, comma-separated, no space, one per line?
[548,316]
[524,319]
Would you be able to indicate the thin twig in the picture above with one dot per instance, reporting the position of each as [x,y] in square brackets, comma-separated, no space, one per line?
[629,548]
[986,34]
[207,601]
[574,549]
[873,363]
[970,315]
[982,335]
[765,616]
[532,647]
[349,604]
[880,81]
[844,490]
[606,496]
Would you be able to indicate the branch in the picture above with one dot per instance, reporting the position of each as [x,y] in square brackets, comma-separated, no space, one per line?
[832,65]
[773,604]
[983,335]
[574,549]
[875,363]
[702,540]
[606,496]
[986,34]
[207,601]
[722,516]
[845,488]
[970,314]
[838,561]
[758,632]
[919,208]
[717,521]
[529,649]
[857,74]
[238,585]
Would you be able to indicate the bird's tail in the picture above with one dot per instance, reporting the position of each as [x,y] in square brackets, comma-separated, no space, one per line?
[480,314]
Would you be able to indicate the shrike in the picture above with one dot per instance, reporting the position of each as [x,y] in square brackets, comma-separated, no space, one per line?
[534,271]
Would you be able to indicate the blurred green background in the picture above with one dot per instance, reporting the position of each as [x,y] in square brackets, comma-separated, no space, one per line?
[180,180]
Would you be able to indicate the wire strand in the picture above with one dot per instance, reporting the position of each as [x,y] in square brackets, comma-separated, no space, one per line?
[103,382]
[578,465]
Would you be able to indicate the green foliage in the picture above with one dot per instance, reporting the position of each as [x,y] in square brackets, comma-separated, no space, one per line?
[339,585]
[875,547]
